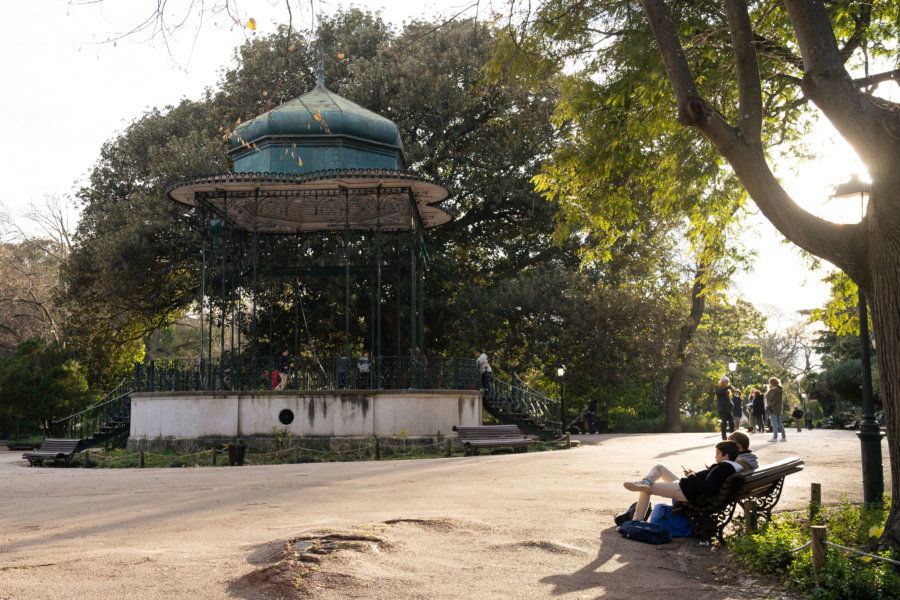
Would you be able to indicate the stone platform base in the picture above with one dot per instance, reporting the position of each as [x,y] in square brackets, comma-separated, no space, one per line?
[206,419]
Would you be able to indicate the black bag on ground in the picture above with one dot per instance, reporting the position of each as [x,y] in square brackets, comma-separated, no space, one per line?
[628,515]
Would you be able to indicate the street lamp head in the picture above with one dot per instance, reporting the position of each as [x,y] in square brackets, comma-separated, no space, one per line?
[561,371]
[851,189]
[732,367]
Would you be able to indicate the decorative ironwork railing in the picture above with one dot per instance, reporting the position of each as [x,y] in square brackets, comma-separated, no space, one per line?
[517,402]
[388,372]
[109,413]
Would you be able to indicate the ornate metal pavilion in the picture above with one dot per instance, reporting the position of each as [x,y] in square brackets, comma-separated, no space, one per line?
[318,163]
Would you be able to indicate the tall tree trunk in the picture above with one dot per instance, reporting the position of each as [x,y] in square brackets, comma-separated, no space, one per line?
[150,356]
[678,375]
[883,296]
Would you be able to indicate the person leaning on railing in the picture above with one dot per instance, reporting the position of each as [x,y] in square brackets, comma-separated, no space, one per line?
[362,366]
[484,368]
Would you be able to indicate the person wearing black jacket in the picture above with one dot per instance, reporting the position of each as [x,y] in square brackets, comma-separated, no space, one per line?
[660,481]
[798,418]
[283,367]
[725,406]
[759,410]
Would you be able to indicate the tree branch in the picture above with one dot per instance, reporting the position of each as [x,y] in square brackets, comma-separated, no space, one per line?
[747,70]
[868,127]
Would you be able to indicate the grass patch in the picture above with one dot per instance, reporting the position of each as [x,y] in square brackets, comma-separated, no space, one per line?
[291,452]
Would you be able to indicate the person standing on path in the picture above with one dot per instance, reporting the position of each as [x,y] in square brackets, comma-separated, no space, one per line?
[798,418]
[808,417]
[758,412]
[738,411]
[775,402]
[725,406]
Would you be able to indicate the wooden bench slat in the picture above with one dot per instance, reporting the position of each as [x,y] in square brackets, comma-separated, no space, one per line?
[490,436]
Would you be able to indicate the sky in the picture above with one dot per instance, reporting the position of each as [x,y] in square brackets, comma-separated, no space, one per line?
[68,90]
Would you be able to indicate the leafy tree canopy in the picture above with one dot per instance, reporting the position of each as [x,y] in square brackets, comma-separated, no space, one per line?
[41,381]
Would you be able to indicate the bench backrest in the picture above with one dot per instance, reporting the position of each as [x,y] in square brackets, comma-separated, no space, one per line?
[750,483]
[61,445]
[488,432]
[758,480]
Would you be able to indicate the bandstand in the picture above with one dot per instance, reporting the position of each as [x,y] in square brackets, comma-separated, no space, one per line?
[319,191]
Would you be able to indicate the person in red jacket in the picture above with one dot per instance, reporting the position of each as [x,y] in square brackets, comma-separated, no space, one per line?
[660,481]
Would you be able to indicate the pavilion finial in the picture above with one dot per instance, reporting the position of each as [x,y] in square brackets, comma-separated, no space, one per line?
[320,73]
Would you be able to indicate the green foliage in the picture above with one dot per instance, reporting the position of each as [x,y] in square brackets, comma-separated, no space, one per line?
[627,420]
[700,423]
[41,381]
[841,315]
[770,550]
[844,575]
[286,449]
[840,380]
[573,319]
[721,338]
[134,268]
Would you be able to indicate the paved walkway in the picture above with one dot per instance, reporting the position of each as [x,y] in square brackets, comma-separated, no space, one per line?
[534,525]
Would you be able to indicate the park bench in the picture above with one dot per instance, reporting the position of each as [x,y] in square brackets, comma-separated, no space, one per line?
[491,436]
[55,449]
[710,516]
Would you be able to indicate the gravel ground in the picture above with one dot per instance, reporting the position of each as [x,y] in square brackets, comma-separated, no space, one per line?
[526,526]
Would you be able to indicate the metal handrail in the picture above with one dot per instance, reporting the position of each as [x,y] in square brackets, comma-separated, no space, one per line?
[109,394]
[94,419]
[522,404]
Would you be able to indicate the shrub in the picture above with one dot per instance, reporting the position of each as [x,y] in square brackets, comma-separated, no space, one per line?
[844,576]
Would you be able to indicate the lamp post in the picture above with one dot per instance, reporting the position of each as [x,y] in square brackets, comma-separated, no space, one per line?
[561,372]
[869,433]
[732,367]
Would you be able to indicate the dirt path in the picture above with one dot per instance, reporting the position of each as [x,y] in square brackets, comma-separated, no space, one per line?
[530,526]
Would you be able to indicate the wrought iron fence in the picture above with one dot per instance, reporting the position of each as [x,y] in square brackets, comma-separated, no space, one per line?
[307,373]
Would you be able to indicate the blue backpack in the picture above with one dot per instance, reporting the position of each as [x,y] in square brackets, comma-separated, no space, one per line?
[644,531]
[677,525]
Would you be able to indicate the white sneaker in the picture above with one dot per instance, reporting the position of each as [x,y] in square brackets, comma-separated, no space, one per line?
[772,440]
[638,486]
[783,440]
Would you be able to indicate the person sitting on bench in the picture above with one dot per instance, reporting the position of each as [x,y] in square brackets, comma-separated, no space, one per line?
[746,458]
[660,481]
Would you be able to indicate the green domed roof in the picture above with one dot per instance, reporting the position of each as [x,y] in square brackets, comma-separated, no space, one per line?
[315,132]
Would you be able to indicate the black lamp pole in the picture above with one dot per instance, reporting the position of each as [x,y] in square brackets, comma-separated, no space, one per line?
[561,372]
[869,432]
